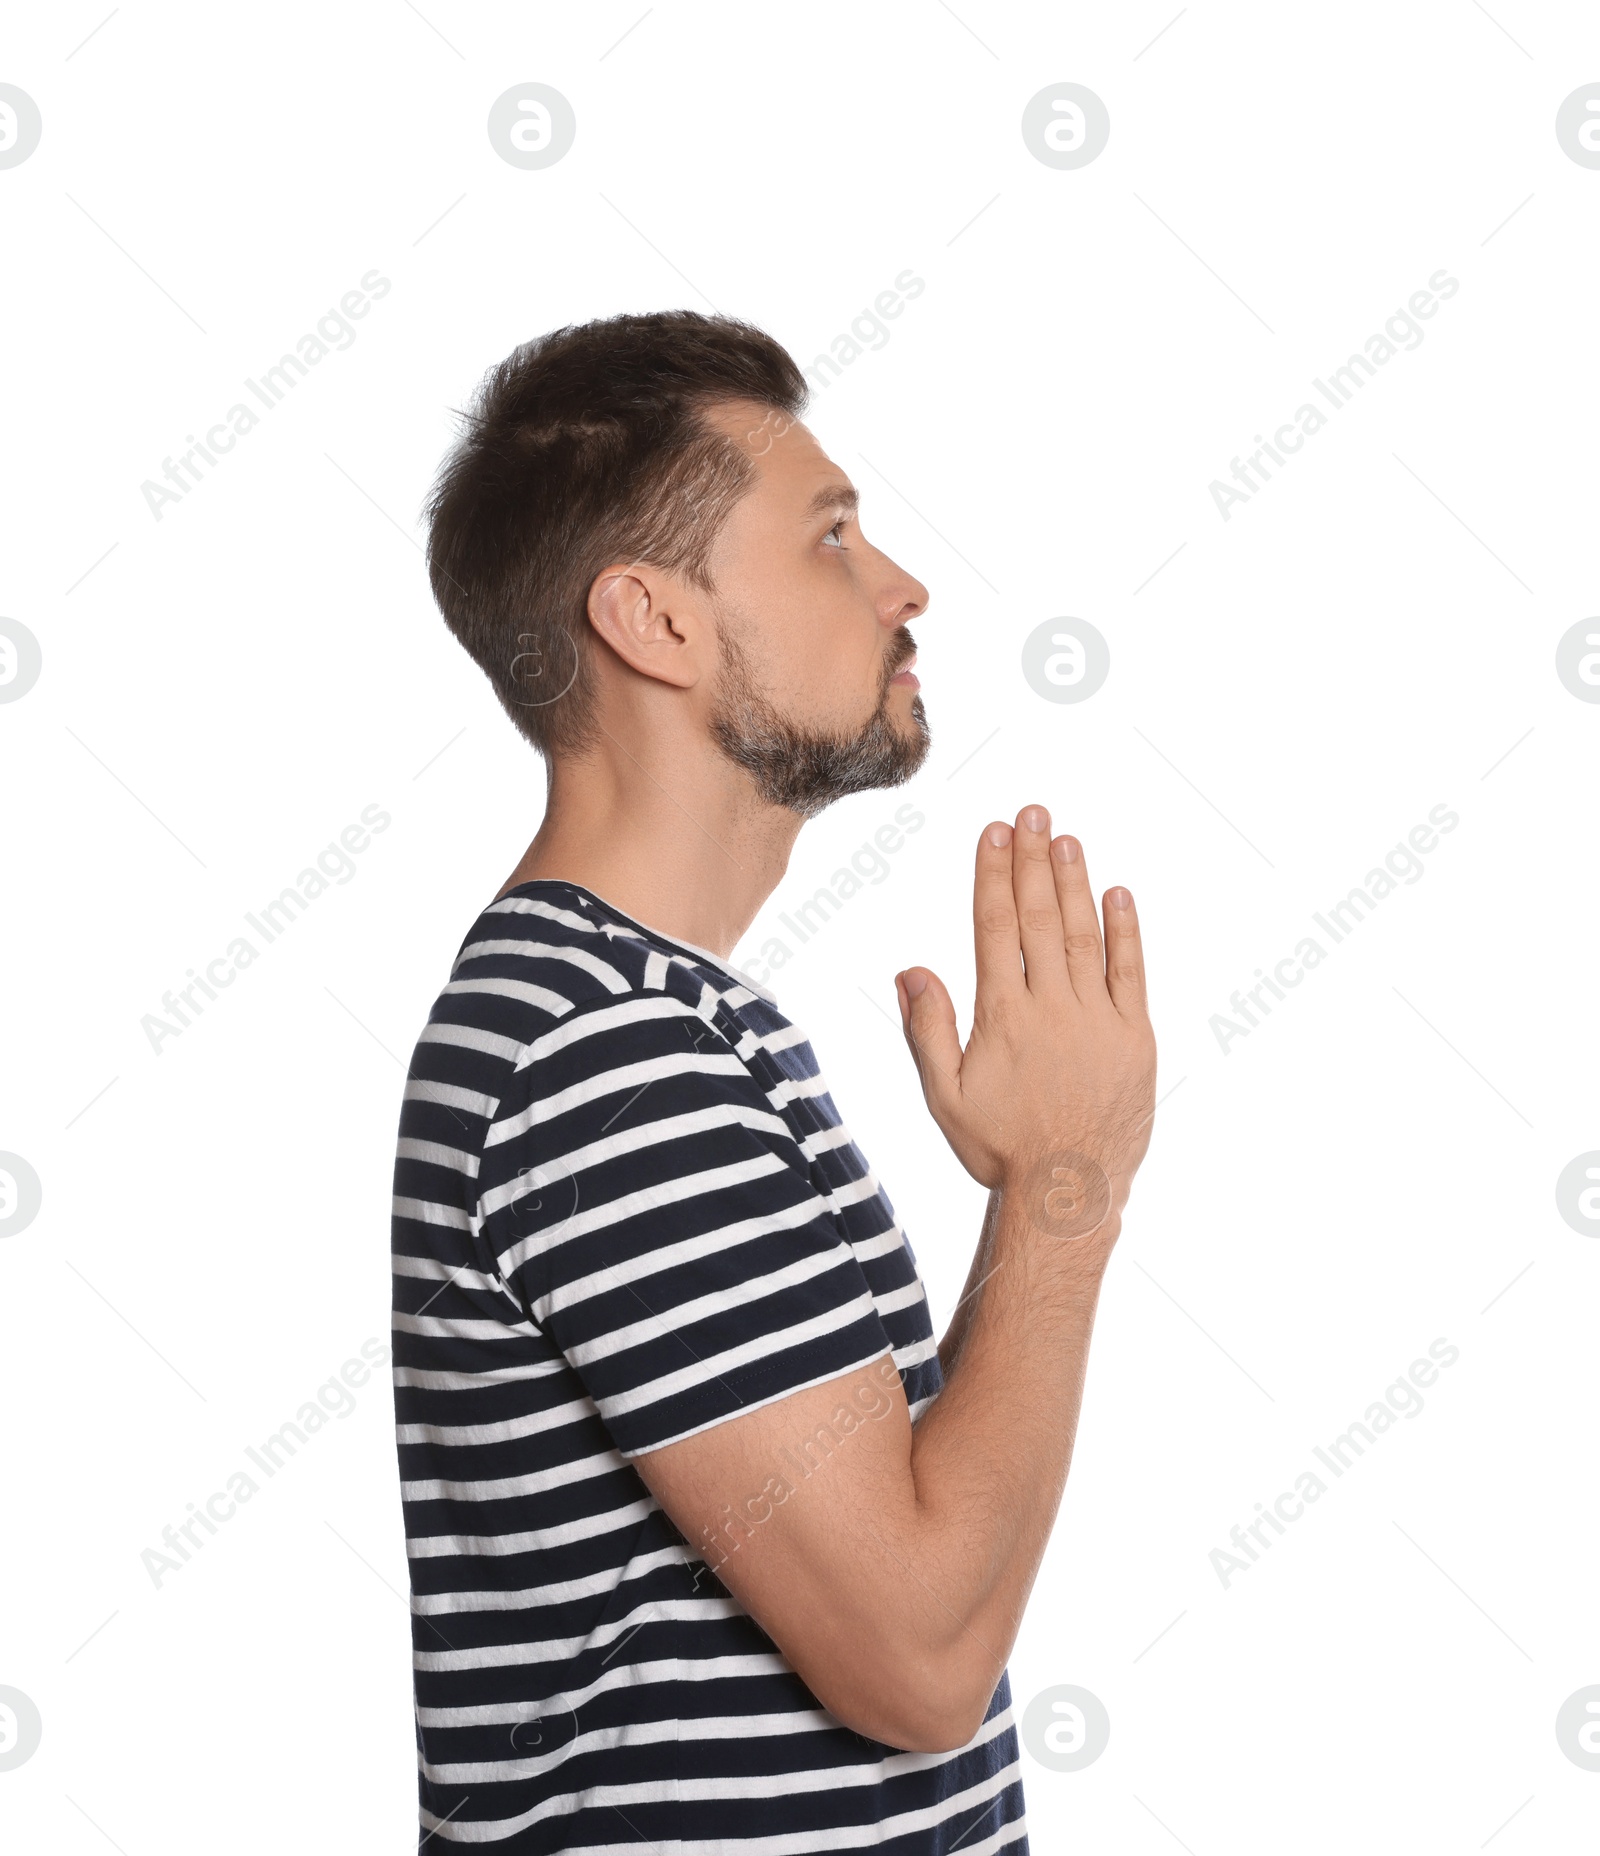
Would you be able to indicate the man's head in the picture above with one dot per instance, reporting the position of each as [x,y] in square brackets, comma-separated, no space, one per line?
[635,532]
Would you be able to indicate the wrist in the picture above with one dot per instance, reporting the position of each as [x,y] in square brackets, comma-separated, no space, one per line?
[1062,1192]
[1071,1234]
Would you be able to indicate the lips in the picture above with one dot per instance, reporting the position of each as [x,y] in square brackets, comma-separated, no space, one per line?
[907,676]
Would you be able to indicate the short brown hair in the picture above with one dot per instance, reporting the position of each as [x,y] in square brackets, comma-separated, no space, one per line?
[586,446]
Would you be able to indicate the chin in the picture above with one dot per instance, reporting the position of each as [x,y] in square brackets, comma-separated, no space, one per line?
[805,770]
[920,732]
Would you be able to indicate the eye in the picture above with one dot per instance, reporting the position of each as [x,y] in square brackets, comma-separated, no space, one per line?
[834,534]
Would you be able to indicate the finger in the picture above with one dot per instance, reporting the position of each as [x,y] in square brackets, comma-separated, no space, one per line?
[1080,920]
[1038,910]
[1125,955]
[996,936]
[929,1021]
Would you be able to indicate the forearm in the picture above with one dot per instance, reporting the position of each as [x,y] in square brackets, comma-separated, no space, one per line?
[961,1315]
[990,1456]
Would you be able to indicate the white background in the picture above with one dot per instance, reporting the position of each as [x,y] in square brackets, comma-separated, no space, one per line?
[1373,634]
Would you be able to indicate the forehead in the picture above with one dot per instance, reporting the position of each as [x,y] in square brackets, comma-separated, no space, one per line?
[791,465]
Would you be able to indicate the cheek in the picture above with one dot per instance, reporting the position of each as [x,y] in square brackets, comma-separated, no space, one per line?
[845,671]
[847,630]
[813,644]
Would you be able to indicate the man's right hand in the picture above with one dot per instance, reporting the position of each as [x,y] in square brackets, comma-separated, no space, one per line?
[1051,1100]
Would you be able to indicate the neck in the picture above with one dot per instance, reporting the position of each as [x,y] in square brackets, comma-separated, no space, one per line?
[693,852]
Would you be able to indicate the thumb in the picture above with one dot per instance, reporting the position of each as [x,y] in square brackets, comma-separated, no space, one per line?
[928,1019]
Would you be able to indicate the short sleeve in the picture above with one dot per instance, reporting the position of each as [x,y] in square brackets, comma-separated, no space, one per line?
[653,1214]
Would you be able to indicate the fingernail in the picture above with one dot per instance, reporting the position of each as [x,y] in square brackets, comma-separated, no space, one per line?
[1066,850]
[999,836]
[1119,898]
[1034,818]
[916,984]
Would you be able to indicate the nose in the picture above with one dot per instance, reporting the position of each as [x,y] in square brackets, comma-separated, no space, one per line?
[902,598]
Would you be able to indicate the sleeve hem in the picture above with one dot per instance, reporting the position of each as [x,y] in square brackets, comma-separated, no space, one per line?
[760,1404]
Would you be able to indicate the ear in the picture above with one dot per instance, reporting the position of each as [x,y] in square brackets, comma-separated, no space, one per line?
[647,619]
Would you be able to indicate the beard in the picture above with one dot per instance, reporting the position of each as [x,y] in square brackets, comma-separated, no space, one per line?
[806,769]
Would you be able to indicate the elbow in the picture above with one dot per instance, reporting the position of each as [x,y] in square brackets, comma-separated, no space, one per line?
[947,1699]
[938,1734]
[937,1724]
[916,1705]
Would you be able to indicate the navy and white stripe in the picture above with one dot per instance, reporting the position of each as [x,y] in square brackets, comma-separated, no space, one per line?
[626,1210]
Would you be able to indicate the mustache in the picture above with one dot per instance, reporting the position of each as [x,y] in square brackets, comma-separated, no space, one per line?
[905,650]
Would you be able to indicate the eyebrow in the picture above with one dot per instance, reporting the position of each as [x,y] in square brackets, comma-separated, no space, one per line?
[842,496]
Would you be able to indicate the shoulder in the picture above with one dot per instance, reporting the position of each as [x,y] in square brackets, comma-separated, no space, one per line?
[538,961]
[551,985]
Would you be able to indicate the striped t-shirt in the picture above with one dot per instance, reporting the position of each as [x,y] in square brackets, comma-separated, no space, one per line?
[625,1211]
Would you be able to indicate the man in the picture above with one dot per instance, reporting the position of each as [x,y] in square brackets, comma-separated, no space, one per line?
[713,1548]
